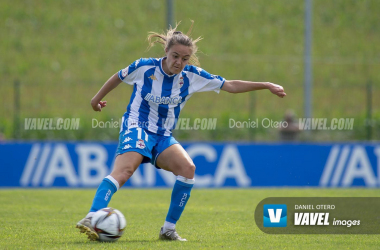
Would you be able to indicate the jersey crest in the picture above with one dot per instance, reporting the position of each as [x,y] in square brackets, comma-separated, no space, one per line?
[181,81]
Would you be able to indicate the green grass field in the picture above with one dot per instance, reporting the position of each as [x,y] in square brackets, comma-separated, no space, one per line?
[213,219]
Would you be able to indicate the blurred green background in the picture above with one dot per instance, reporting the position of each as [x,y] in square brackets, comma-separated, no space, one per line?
[62,52]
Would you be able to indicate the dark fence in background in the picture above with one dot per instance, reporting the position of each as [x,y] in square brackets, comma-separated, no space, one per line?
[358,102]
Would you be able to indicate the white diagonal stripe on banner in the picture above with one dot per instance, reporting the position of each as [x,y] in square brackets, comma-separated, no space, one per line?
[41,165]
[24,181]
[340,166]
[329,166]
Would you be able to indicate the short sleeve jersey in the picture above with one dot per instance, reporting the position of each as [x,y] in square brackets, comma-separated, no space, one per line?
[158,98]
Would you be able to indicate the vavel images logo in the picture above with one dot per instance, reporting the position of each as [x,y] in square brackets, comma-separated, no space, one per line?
[275,215]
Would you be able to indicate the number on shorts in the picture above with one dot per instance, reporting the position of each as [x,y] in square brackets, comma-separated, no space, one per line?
[139,133]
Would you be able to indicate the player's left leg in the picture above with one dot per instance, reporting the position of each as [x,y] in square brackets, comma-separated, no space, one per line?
[176,160]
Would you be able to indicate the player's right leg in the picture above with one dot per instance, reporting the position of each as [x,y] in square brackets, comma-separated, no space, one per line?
[125,165]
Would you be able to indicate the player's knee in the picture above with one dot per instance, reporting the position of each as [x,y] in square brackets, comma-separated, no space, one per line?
[192,168]
[188,171]
[127,172]
[123,173]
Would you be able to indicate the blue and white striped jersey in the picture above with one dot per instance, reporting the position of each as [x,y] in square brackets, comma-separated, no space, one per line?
[157,98]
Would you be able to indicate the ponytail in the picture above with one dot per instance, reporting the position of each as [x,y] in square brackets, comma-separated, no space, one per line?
[172,37]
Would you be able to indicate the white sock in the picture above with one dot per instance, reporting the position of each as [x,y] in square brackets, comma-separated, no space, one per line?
[109,177]
[185,180]
[90,214]
[168,226]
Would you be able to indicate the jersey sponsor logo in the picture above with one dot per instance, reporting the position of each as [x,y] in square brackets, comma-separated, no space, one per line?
[127,139]
[199,70]
[152,77]
[163,100]
[127,146]
[140,144]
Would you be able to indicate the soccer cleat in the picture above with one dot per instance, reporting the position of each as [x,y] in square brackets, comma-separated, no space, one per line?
[84,226]
[171,234]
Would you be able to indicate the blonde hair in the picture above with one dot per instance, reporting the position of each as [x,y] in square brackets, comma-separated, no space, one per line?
[172,37]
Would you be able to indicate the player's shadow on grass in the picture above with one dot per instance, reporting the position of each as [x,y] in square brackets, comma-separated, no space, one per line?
[117,242]
[145,240]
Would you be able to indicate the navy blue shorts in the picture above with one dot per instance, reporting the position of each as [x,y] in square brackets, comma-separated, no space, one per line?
[144,142]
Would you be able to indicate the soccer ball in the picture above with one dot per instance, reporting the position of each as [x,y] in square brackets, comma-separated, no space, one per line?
[109,223]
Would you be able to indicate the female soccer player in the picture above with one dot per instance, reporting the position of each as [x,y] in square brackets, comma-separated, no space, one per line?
[161,88]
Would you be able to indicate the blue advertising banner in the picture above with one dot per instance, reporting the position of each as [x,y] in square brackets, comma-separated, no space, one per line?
[85,164]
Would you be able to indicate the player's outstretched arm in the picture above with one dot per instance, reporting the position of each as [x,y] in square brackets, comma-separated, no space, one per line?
[96,102]
[238,86]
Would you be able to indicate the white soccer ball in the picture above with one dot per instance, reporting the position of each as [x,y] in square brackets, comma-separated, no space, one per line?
[109,223]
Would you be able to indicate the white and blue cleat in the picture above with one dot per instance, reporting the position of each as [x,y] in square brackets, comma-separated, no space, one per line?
[170,235]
